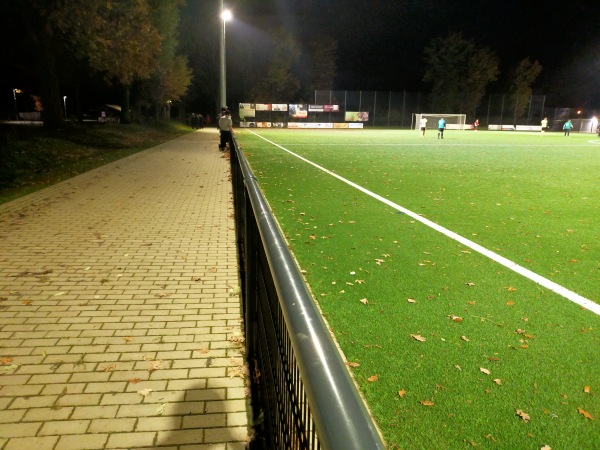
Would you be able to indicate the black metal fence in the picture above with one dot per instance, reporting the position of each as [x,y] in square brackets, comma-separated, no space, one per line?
[302,394]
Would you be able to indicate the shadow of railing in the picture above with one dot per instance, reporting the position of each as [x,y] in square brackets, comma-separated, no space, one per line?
[302,394]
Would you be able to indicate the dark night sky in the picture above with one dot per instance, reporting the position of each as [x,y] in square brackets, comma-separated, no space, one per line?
[381,42]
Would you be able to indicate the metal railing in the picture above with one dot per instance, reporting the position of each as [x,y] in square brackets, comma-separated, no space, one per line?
[302,394]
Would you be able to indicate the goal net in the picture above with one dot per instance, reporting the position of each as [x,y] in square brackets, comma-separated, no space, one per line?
[453,121]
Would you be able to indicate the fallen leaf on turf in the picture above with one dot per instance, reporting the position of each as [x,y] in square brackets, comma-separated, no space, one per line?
[587,389]
[464,338]
[498,381]
[482,369]
[373,378]
[523,415]
[519,331]
[364,301]
[411,300]
[546,447]
[510,303]
[455,318]
[470,284]
[426,403]
[511,289]
[585,414]
[352,364]
[456,366]
[418,337]
[144,392]
[402,393]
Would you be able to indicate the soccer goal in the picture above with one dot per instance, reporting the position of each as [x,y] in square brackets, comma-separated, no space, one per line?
[453,121]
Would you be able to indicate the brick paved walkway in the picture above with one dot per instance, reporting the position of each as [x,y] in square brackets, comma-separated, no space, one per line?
[119,307]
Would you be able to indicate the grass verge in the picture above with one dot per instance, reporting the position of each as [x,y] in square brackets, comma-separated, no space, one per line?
[32,158]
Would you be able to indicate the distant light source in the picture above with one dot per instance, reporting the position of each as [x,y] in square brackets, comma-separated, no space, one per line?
[65,103]
[226,16]
[15,92]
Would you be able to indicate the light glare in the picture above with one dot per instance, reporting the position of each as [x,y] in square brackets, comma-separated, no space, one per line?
[226,15]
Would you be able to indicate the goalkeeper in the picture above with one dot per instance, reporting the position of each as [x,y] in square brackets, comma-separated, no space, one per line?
[441,127]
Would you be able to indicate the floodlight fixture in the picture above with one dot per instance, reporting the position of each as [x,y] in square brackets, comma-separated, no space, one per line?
[226,15]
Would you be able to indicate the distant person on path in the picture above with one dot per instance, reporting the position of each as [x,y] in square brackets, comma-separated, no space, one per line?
[476,124]
[423,125]
[568,126]
[200,121]
[441,128]
[544,124]
[225,128]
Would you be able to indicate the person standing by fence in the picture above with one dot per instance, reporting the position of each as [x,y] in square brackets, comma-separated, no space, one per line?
[225,128]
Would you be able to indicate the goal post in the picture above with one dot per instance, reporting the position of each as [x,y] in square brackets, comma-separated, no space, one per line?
[453,121]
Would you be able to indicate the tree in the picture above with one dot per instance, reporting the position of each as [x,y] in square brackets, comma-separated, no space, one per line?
[117,39]
[524,75]
[171,76]
[459,72]
[320,63]
[281,81]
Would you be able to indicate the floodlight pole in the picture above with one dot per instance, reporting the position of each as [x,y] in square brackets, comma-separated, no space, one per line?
[225,16]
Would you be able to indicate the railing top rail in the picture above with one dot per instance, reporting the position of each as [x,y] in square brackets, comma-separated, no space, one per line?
[339,413]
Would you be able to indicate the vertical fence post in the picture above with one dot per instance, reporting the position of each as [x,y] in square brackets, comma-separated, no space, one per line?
[403,108]
[389,108]
[374,107]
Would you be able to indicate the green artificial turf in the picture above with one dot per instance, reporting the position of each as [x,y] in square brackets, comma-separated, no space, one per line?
[424,316]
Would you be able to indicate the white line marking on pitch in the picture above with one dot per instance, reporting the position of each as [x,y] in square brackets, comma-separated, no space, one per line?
[551,285]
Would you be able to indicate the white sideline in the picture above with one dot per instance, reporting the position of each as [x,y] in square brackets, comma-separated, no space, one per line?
[551,285]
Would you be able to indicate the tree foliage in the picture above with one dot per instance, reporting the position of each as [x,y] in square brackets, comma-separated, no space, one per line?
[523,77]
[125,41]
[459,72]
[296,69]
